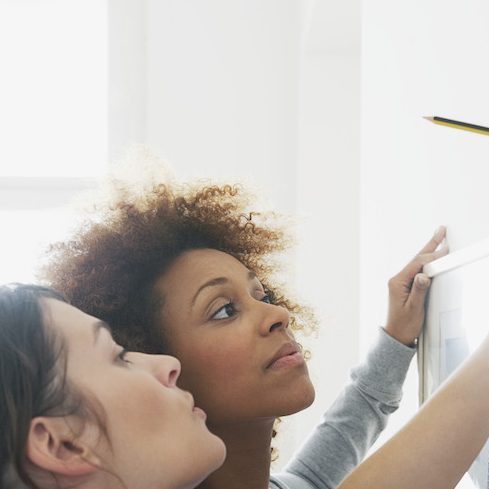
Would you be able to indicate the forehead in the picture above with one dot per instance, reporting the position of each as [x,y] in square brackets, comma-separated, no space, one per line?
[194,267]
[199,263]
[76,327]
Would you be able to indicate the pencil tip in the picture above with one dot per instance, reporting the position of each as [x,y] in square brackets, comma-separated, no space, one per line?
[427,118]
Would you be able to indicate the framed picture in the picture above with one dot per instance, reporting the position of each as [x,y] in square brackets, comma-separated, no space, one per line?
[457,320]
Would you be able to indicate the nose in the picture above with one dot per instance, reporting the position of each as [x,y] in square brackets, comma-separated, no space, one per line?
[167,369]
[274,318]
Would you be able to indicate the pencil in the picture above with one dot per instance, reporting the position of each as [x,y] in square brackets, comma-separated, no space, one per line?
[459,125]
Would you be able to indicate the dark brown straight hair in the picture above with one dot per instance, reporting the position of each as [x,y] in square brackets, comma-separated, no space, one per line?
[32,382]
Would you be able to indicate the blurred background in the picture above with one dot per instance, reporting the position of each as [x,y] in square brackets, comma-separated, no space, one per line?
[317,104]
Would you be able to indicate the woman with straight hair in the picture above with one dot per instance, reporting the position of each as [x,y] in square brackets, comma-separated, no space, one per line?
[79,411]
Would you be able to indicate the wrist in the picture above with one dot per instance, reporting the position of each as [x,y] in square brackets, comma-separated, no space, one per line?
[406,340]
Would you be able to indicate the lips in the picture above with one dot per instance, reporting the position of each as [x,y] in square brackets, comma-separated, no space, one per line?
[196,410]
[199,412]
[286,350]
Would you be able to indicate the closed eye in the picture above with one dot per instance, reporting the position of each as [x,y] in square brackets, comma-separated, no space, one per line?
[122,356]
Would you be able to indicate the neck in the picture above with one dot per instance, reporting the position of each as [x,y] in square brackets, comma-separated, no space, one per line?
[248,458]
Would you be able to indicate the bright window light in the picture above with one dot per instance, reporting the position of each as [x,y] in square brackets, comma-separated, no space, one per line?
[53,121]
[53,87]
[26,235]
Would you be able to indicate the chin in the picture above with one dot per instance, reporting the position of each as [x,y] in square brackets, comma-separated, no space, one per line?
[215,451]
[220,452]
[298,400]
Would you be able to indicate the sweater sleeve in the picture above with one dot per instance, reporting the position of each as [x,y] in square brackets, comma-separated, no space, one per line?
[354,421]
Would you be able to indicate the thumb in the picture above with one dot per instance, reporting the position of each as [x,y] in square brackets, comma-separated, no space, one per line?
[421,284]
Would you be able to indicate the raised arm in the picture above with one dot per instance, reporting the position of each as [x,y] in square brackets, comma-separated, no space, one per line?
[438,445]
[360,413]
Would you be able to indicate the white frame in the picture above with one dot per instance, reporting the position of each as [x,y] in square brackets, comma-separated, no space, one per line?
[457,319]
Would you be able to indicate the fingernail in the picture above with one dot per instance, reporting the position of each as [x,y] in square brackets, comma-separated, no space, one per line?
[439,230]
[423,281]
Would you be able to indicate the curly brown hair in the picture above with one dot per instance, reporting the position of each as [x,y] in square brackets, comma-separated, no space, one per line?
[109,266]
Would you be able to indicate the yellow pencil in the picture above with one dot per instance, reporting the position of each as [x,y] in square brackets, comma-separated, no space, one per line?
[458,125]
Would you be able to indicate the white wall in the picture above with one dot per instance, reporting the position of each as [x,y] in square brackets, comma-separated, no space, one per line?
[222,90]
[420,59]
[328,182]
[127,74]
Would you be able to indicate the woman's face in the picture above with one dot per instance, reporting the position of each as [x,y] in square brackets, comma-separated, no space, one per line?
[157,438]
[238,355]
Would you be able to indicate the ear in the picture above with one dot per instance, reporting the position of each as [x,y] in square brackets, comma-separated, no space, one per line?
[52,446]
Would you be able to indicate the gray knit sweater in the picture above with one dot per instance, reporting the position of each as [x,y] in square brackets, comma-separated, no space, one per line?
[353,422]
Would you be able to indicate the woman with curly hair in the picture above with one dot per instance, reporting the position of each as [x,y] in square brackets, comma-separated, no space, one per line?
[188,271]
[70,398]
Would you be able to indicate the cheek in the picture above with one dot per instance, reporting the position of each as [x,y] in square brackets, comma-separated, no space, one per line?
[218,365]
[136,399]
[219,358]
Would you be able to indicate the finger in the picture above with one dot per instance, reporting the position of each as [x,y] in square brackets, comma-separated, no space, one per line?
[420,287]
[435,241]
[416,264]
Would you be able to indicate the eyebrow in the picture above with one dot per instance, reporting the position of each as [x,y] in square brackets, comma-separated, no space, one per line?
[217,281]
[98,326]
